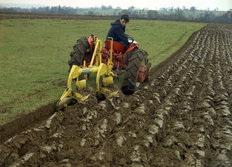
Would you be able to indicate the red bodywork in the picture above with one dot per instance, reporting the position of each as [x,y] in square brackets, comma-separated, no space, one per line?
[120,59]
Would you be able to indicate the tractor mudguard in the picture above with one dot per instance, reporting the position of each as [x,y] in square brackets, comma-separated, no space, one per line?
[91,41]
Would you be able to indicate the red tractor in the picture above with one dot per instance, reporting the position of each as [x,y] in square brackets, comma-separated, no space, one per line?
[133,60]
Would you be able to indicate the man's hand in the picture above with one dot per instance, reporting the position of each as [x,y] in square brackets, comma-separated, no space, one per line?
[130,40]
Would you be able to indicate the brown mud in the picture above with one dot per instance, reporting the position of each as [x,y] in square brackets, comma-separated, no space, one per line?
[21,15]
[181,117]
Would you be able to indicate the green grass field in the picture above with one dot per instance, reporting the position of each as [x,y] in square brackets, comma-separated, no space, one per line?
[34,55]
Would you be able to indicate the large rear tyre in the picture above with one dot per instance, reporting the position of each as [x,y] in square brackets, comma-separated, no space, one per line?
[80,51]
[137,71]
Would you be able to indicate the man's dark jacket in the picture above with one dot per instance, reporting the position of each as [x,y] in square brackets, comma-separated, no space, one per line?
[117,31]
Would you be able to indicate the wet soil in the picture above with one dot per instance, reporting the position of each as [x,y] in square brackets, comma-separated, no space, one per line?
[181,117]
[21,15]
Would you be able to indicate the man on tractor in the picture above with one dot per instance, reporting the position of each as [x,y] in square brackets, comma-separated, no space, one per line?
[117,30]
[88,56]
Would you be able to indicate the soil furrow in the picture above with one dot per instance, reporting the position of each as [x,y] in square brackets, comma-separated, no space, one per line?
[181,117]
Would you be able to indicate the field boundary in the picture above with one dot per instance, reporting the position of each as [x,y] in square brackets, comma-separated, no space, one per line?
[159,68]
[16,15]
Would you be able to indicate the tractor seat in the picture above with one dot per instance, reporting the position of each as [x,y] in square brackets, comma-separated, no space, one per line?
[117,46]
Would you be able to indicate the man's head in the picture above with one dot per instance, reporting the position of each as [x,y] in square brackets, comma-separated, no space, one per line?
[124,19]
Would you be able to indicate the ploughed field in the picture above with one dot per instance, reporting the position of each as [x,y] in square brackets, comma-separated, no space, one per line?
[181,117]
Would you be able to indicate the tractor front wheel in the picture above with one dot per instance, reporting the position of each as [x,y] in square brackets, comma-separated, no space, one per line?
[137,71]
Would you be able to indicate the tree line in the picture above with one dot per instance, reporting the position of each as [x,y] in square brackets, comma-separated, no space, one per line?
[175,14]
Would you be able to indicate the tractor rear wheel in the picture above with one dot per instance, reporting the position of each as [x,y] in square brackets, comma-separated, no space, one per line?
[80,50]
[137,71]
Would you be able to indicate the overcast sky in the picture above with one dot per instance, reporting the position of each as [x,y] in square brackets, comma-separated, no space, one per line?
[150,4]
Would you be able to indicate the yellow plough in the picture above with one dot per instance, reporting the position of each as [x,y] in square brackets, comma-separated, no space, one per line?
[103,73]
